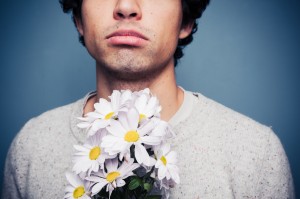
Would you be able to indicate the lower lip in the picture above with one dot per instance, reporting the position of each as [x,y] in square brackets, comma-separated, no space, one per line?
[127,40]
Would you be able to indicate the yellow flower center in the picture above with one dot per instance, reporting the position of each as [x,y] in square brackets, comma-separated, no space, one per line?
[112,176]
[94,153]
[131,136]
[164,160]
[109,115]
[78,192]
[142,116]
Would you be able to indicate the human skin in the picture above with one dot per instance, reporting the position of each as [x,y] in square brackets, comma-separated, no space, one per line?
[133,42]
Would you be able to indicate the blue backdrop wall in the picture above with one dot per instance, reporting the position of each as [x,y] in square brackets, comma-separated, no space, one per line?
[245,55]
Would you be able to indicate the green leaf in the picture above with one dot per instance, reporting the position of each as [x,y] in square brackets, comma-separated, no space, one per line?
[134,183]
[147,187]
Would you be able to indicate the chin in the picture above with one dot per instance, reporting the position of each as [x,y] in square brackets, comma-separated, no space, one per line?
[132,72]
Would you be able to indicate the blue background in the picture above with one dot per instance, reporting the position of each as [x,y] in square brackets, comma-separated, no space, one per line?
[245,55]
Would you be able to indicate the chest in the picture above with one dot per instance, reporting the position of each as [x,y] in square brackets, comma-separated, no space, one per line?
[211,169]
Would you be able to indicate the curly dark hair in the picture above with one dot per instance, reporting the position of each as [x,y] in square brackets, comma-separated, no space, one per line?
[192,10]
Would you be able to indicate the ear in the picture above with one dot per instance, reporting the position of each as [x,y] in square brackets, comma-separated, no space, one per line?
[186,30]
[79,26]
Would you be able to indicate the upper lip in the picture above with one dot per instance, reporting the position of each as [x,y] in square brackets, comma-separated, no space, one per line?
[127,33]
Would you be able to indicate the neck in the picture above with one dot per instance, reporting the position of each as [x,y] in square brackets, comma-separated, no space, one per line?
[163,86]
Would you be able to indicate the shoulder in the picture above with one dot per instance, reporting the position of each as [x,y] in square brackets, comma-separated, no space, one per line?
[54,118]
[253,144]
[233,133]
[41,137]
[43,128]
[229,121]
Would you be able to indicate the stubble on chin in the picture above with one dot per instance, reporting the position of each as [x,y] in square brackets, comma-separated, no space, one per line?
[127,65]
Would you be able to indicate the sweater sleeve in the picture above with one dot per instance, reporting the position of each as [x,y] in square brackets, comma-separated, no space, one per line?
[16,168]
[275,179]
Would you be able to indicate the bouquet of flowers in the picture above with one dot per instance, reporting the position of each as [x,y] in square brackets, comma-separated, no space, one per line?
[126,154]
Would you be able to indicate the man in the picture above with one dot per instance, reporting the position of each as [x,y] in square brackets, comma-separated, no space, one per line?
[136,44]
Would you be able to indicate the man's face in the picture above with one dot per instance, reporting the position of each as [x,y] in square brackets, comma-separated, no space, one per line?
[132,38]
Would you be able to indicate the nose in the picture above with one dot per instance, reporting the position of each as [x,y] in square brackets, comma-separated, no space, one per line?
[127,9]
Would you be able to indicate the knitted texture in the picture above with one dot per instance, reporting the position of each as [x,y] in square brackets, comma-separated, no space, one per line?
[221,154]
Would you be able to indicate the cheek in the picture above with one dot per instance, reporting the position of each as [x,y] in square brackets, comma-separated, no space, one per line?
[167,24]
[94,32]
[94,17]
[167,37]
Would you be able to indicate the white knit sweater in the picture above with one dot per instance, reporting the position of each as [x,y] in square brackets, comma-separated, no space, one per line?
[222,154]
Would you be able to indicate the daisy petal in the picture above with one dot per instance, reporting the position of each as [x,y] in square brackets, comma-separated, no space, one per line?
[115,99]
[73,179]
[142,155]
[126,95]
[123,120]
[133,119]
[85,197]
[111,165]
[103,107]
[150,140]
[91,116]
[141,102]
[150,109]
[97,187]
[69,188]
[146,128]
[99,124]
[165,148]
[116,128]
[93,179]
[161,172]
[172,157]
[120,183]
[69,195]
[174,174]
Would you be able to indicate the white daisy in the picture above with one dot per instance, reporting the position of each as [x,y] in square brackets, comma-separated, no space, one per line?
[77,188]
[105,111]
[147,105]
[90,157]
[114,177]
[166,163]
[162,129]
[141,92]
[126,97]
[126,132]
